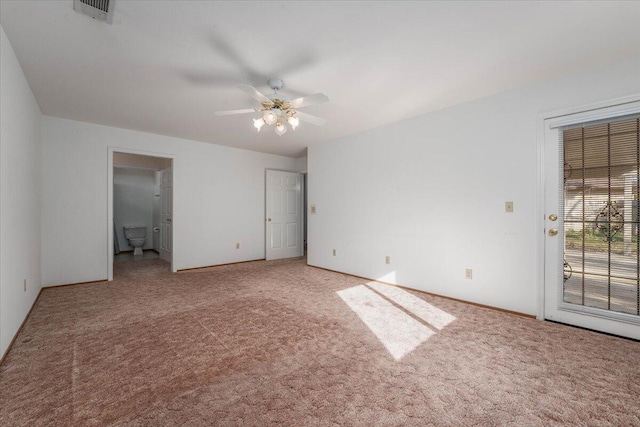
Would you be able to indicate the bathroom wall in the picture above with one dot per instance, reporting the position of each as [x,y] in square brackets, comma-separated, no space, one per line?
[142,162]
[133,194]
[156,211]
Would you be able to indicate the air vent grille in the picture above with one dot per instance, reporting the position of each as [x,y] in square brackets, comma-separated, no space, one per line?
[101,10]
[102,5]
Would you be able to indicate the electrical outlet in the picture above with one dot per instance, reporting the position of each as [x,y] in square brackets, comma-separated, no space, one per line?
[334,252]
[387,260]
[25,285]
[237,245]
[468,273]
[508,207]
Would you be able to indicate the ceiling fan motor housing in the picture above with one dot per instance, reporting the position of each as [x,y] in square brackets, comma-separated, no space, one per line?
[277,96]
[276,84]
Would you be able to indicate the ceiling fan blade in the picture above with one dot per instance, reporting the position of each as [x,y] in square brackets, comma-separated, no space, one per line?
[314,120]
[231,112]
[254,93]
[232,54]
[318,98]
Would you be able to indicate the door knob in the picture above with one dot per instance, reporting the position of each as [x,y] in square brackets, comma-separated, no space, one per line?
[553,232]
[553,217]
[269,219]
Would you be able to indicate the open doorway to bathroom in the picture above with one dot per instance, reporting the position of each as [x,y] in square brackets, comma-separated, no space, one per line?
[140,210]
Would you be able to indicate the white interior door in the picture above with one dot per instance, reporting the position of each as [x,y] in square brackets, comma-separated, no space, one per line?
[587,282]
[166,213]
[283,215]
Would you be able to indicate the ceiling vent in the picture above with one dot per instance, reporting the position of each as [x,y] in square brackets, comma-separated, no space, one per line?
[102,10]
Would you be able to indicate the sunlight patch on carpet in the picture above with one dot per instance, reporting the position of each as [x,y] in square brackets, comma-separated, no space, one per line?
[419,307]
[396,330]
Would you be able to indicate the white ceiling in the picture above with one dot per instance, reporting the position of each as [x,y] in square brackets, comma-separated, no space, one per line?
[165,66]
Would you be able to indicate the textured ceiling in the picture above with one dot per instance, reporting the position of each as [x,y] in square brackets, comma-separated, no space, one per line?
[165,66]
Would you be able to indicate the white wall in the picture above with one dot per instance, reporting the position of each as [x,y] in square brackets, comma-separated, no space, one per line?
[133,191]
[301,164]
[429,192]
[218,199]
[20,193]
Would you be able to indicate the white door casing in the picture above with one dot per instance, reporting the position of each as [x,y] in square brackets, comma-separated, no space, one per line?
[283,214]
[166,213]
[554,308]
[155,230]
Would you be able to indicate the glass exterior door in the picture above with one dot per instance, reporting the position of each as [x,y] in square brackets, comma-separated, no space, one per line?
[601,245]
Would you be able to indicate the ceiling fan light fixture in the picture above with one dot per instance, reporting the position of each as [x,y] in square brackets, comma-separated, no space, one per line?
[258,123]
[293,121]
[276,109]
[269,117]
[281,129]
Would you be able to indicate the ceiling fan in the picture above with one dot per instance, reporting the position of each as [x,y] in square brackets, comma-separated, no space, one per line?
[278,109]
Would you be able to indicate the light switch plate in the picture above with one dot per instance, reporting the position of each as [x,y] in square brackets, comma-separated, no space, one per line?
[313,209]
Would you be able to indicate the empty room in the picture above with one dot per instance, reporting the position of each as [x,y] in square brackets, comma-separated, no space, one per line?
[319,213]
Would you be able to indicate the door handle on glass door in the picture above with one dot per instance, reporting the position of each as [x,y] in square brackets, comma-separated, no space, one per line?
[553,232]
[553,217]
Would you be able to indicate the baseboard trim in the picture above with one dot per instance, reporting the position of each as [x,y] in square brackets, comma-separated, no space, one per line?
[490,307]
[24,321]
[186,270]
[75,284]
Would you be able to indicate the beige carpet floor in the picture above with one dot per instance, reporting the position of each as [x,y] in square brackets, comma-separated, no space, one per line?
[281,343]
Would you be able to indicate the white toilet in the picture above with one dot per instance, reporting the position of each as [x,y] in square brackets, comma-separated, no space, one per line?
[137,236]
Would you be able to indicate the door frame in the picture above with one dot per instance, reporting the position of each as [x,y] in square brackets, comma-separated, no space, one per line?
[110,151]
[553,119]
[301,206]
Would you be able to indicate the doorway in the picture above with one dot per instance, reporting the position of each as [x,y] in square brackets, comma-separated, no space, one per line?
[284,214]
[591,165]
[140,204]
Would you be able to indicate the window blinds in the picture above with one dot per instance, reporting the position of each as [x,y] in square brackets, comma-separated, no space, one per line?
[601,220]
